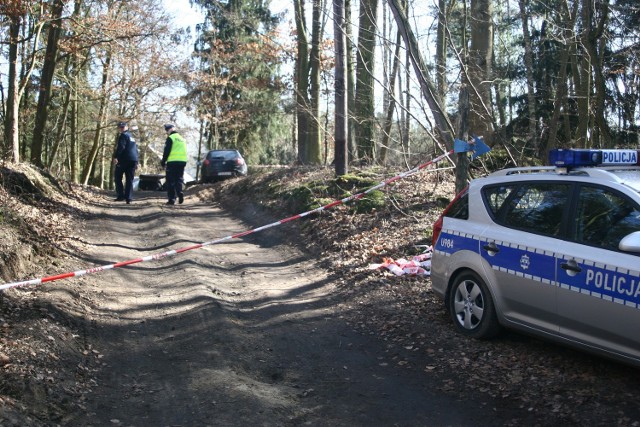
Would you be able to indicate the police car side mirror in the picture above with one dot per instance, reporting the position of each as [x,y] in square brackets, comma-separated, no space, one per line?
[630,242]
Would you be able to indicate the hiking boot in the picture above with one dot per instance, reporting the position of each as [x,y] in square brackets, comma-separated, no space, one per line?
[180,198]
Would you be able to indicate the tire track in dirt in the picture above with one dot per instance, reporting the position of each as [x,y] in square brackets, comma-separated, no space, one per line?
[240,333]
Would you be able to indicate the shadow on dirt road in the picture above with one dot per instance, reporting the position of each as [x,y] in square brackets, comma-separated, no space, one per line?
[245,332]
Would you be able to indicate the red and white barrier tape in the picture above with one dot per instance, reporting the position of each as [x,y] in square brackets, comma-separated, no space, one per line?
[419,265]
[212,242]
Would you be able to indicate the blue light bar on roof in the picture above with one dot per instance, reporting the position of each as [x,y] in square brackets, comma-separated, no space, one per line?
[573,158]
[581,157]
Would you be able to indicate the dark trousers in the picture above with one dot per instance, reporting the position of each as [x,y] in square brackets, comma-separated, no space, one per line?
[175,180]
[127,170]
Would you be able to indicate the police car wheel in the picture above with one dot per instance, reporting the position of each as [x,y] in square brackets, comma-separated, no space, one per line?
[472,308]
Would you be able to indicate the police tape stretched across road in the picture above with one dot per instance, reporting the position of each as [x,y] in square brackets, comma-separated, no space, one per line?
[459,147]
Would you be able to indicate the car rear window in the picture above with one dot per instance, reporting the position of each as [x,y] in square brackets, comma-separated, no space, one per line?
[222,155]
[459,208]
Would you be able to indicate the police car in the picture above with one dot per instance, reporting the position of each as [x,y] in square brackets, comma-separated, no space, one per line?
[553,251]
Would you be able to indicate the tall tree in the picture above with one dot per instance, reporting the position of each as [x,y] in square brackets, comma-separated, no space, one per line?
[365,70]
[100,119]
[315,67]
[26,24]
[79,61]
[303,104]
[596,16]
[480,63]
[46,80]
[307,88]
[441,119]
[528,63]
[388,120]
[341,131]
[441,53]
[238,85]
[351,83]
[12,141]
[568,17]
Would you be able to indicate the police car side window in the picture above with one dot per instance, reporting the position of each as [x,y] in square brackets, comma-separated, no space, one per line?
[536,207]
[604,217]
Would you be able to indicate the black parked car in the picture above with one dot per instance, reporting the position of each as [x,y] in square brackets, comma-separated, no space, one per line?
[151,182]
[221,164]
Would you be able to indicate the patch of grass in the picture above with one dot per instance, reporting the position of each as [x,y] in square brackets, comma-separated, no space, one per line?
[299,198]
[317,193]
[374,200]
[353,184]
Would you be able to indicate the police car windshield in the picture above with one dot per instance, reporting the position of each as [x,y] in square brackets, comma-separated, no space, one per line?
[630,178]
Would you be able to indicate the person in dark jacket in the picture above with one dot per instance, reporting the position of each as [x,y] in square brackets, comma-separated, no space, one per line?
[125,159]
[174,159]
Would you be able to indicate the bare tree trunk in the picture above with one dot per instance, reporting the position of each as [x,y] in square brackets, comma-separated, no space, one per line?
[88,167]
[528,61]
[200,138]
[441,53]
[364,80]
[462,160]
[102,171]
[462,166]
[48,69]
[405,119]
[61,130]
[384,144]
[593,36]
[480,71]
[12,137]
[12,123]
[74,151]
[340,88]
[582,83]
[302,81]
[443,125]
[351,86]
[561,94]
[314,142]
[74,161]
[569,19]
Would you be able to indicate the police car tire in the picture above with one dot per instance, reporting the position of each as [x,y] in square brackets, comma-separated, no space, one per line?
[474,317]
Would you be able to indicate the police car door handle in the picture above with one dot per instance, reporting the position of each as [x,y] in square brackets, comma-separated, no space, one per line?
[571,266]
[491,248]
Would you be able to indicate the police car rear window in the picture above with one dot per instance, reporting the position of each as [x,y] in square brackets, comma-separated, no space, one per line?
[459,208]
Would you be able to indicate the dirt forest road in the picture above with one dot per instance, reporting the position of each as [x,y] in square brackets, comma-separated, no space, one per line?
[245,332]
